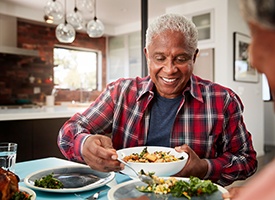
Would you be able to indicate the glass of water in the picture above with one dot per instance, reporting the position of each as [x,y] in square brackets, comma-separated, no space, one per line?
[8,155]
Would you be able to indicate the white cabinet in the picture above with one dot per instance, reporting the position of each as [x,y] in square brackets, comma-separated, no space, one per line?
[205,25]
[124,56]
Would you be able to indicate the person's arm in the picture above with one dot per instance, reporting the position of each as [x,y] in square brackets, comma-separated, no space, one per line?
[236,157]
[261,186]
[96,119]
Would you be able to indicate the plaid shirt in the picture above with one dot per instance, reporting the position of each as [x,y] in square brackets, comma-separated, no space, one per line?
[209,119]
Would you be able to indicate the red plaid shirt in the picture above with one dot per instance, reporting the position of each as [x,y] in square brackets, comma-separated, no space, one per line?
[209,120]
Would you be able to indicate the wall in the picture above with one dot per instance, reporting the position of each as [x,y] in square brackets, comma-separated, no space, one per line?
[269,123]
[15,87]
[42,38]
[227,19]
[251,93]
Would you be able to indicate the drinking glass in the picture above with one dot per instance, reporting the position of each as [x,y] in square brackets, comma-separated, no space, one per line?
[8,153]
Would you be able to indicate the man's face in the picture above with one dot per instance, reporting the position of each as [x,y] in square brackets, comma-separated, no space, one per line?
[170,63]
[262,52]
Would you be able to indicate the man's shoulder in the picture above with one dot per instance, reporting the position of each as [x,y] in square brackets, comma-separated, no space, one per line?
[211,84]
[138,84]
[208,87]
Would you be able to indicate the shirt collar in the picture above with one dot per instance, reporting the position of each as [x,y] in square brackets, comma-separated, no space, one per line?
[194,88]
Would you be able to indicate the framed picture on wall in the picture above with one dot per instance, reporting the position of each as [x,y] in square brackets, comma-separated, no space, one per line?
[243,71]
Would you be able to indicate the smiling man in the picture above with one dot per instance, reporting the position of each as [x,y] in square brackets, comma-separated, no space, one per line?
[171,107]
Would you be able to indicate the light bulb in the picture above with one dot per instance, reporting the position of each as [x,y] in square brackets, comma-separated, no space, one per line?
[65,33]
[54,10]
[75,19]
[95,28]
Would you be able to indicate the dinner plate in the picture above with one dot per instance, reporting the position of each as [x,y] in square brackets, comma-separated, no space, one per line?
[128,190]
[74,178]
[29,191]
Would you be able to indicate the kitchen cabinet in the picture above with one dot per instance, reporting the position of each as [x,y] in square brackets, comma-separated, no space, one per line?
[19,132]
[124,56]
[204,23]
[35,138]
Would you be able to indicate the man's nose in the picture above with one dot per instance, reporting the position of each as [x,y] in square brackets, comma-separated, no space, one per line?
[169,67]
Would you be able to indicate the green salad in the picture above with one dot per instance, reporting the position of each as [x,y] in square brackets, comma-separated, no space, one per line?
[49,182]
[21,196]
[179,188]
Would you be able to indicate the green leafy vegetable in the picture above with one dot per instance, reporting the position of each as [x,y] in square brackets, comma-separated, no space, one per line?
[195,187]
[144,151]
[21,196]
[49,182]
[180,188]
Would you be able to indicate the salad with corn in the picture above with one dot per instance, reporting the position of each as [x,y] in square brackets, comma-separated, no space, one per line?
[179,188]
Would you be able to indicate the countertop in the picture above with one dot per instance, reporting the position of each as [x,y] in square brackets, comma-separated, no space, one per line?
[44,112]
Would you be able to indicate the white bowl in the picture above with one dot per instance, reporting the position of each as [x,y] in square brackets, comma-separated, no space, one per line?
[160,169]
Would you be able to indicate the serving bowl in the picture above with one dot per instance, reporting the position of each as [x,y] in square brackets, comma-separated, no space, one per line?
[159,168]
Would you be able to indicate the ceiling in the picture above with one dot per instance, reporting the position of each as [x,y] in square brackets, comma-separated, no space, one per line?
[112,13]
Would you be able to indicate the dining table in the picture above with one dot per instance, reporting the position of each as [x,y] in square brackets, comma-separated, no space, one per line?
[23,169]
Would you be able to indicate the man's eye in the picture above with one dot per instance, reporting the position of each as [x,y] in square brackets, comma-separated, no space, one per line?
[181,59]
[159,58]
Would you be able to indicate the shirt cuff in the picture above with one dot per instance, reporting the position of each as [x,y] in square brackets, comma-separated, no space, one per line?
[208,170]
[78,145]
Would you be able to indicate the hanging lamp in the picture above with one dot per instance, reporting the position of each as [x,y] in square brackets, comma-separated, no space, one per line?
[95,27]
[84,5]
[75,18]
[53,10]
[65,32]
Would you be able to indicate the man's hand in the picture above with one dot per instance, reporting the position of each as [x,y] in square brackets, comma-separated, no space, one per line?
[195,166]
[99,154]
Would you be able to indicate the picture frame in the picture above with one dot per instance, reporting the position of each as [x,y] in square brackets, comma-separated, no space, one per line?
[243,71]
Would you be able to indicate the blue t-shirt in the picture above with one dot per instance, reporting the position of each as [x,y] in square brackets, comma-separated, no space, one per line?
[162,117]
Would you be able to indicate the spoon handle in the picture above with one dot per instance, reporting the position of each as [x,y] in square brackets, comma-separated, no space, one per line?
[127,165]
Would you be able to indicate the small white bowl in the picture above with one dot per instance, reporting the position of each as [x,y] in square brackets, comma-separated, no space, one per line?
[160,169]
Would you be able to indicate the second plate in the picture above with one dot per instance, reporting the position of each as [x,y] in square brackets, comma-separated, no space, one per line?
[74,178]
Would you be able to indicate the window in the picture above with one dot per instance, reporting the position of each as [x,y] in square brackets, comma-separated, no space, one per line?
[75,68]
[266,90]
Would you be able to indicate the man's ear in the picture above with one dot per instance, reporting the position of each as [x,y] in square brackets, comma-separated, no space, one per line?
[145,51]
[195,55]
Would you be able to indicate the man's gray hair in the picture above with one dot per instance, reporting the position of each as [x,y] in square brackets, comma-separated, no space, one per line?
[174,22]
[261,12]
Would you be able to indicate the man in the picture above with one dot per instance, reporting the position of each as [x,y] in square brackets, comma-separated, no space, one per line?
[170,107]
[260,16]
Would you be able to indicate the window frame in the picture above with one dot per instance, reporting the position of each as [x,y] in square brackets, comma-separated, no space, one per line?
[98,65]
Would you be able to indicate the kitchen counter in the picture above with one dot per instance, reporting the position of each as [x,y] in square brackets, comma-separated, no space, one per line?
[44,112]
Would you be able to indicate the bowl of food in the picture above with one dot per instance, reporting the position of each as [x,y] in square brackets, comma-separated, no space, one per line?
[162,161]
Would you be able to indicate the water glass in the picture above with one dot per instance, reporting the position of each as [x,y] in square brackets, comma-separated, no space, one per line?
[8,155]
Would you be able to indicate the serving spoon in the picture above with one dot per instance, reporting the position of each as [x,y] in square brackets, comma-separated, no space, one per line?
[144,178]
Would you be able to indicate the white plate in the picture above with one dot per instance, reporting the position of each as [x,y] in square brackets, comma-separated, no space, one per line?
[128,190]
[29,191]
[75,179]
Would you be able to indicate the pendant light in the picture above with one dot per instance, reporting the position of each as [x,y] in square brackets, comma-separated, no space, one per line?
[95,27]
[75,18]
[65,32]
[84,5]
[53,10]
